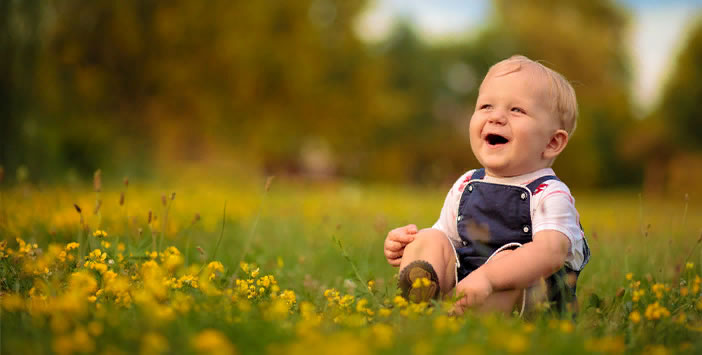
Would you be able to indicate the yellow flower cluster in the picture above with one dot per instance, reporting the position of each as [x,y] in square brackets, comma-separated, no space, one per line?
[657,304]
[655,311]
[96,261]
[658,289]
[100,234]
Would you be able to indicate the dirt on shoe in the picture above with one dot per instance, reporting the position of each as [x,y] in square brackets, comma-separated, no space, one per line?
[418,270]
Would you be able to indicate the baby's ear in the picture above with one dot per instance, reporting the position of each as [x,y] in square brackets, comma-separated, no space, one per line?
[555,146]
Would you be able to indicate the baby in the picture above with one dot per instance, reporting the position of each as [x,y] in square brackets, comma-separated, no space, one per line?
[511,225]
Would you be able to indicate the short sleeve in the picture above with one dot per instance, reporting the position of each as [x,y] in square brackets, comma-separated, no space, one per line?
[447,218]
[555,210]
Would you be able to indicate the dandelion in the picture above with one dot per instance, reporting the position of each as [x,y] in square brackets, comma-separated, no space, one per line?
[100,234]
[629,276]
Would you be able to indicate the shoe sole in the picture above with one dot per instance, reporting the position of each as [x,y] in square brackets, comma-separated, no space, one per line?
[416,270]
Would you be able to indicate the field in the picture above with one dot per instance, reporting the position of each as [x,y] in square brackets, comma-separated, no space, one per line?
[284,266]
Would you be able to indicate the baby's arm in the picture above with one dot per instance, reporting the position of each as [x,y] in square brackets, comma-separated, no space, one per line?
[519,269]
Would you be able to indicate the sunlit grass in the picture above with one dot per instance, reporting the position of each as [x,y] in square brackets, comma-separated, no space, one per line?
[300,266]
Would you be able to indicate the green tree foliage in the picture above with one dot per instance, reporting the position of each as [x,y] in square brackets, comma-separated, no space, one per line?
[667,142]
[194,79]
[288,86]
[680,102]
[584,41]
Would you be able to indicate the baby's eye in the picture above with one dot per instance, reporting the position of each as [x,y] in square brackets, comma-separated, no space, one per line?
[485,106]
[518,109]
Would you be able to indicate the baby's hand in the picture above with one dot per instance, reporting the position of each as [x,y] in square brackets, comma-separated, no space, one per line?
[473,290]
[396,241]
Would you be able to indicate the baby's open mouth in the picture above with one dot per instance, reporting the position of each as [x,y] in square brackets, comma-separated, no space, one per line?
[496,139]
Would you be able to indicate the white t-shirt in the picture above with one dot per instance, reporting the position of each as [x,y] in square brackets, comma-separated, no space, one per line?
[552,207]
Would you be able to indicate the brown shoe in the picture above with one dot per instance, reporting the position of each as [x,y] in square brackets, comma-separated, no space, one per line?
[416,270]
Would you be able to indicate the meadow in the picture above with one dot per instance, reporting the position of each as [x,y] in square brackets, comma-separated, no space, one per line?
[262,265]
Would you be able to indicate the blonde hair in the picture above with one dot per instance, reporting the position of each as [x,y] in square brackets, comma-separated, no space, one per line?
[565,105]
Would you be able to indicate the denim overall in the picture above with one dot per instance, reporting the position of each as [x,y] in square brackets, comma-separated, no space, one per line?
[492,215]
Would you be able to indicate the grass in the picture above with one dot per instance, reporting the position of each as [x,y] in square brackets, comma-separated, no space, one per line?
[313,254]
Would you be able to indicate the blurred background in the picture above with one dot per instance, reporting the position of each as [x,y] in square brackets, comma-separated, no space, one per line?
[377,91]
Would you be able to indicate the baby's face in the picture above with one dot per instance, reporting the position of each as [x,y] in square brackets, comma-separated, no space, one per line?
[513,123]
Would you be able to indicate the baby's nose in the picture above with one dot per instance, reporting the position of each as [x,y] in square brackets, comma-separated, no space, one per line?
[497,117]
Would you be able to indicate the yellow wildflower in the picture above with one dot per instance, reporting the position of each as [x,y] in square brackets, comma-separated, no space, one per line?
[382,335]
[72,245]
[400,301]
[629,276]
[154,343]
[607,344]
[655,311]
[680,318]
[636,295]
[566,326]
[658,289]
[244,266]
[689,265]
[12,302]
[215,266]
[371,285]
[656,350]
[100,234]
[635,317]
[211,341]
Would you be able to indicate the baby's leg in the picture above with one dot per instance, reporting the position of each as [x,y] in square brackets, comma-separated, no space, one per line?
[432,246]
[502,301]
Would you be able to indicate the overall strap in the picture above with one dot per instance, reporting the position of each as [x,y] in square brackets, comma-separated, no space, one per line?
[479,174]
[535,184]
